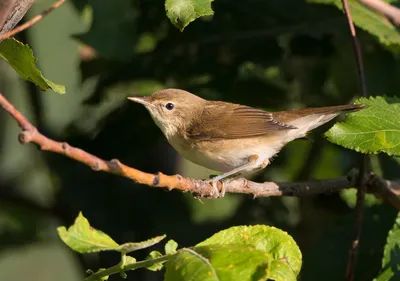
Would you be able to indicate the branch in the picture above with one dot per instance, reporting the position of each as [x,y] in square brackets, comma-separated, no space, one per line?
[197,187]
[351,263]
[389,190]
[11,12]
[382,7]
[5,10]
[31,21]
[117,268]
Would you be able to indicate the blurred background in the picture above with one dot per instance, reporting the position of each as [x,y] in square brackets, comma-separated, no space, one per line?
[274,55]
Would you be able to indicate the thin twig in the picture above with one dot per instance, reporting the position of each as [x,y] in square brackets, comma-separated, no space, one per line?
[197,187]
[360,202]
[390,190]
[382,7]
[351,263]
[117,268]
[31,21]
[357,49]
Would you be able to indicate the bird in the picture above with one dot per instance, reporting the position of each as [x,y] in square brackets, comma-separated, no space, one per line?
[234,139]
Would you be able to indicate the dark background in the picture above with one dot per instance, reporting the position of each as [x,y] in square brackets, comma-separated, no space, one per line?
[271,54]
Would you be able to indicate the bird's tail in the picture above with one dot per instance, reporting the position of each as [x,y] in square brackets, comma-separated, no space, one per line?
[310,118]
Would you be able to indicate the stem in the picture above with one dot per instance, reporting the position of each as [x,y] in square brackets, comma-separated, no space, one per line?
[351,263]
[117,268]
[32,21]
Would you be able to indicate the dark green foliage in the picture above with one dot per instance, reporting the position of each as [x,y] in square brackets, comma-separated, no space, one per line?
[269,54]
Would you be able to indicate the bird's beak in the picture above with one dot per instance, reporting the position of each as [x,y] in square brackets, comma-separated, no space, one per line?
[142,100]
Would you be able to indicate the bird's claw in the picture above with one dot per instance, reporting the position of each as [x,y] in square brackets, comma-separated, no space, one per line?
[216,193]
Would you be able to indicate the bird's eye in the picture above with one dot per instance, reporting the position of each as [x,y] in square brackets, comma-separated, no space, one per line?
[169,106]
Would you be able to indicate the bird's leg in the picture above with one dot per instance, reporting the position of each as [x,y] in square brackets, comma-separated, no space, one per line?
[249,172]
[251,165]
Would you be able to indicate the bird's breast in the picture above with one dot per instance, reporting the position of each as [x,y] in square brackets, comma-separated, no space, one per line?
[225,154]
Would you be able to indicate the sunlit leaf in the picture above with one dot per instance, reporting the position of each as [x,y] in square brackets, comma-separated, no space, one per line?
[129,260]
[372,130]
[183,12]
[156,266]
[134,246]
[217,262]
[170,247]
[83,238]
[266,238]
[20,57]
[239,253]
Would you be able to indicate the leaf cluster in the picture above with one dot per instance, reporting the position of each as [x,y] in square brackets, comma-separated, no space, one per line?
[256,252]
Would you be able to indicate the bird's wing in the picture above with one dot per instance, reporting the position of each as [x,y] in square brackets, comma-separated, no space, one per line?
[220,120]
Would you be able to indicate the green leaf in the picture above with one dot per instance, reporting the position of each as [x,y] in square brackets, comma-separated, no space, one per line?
[226,262]
[391,254]
[183,12]
[238,253]
[83,238]
[280,271]
[266,238]
[350,197]
[129,260]
[218,262]
[370,21]
[170,247]
[156,266]
[372,130]
[20,57]
[134,246]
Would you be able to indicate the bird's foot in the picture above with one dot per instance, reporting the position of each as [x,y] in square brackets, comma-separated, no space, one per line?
[216,193]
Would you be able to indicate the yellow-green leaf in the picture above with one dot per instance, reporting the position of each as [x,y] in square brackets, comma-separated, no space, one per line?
[243,253]
[183,12]
[134,246]
[374,129]
[170,247]
[266,238]
[20,57]
[83,238]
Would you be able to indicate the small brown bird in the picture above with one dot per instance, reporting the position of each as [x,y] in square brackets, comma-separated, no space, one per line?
[231,138]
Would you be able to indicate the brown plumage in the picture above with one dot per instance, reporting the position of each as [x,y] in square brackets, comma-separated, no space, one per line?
[233,121]
[232,138]
[290,115]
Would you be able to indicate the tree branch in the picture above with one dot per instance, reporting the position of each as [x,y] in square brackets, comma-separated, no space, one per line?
[31,21]
[11,12]
[389,190]
[5,9]
[197,187]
